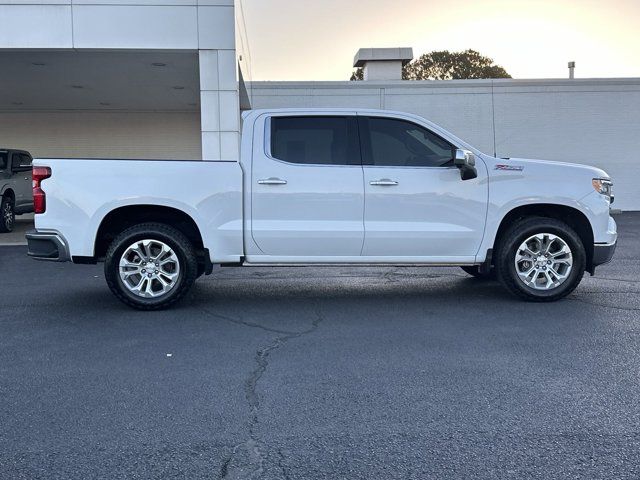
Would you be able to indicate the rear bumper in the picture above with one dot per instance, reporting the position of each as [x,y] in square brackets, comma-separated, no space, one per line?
[49,246]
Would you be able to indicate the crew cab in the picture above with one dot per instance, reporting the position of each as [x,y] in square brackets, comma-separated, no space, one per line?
[353,187]
[15,186]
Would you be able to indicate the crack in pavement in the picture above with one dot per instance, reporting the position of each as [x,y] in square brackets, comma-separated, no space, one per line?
[252,446]
[245,323]
[283,467]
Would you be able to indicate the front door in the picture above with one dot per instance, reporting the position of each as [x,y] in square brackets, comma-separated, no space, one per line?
[416,205]
[307,193]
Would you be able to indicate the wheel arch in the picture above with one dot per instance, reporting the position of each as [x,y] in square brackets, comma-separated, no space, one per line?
[9,192]
[121,218]
[573,217]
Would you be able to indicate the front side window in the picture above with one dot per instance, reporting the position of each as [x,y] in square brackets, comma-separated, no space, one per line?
[315,140]
[3,160]
[398,143]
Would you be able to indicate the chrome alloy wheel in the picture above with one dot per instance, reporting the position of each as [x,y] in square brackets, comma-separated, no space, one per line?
[544,261]
[7,215]
[149,268]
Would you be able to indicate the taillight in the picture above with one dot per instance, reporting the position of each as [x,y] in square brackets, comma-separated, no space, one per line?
[39,197]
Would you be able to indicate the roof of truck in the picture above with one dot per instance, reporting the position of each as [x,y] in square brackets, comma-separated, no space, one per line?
[5,150]
[260,111]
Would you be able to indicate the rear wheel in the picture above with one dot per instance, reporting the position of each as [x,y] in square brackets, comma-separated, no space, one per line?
[541,259]
[150,266]
[7,214]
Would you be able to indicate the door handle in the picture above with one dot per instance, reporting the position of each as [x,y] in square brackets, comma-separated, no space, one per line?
[272,181]
[385,182]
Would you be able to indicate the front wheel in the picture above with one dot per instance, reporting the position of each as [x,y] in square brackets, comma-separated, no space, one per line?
[150,266]
[541,259]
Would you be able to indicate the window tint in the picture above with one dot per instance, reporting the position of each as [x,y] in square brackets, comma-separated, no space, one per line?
[397,143]
[315,140]
[3,160]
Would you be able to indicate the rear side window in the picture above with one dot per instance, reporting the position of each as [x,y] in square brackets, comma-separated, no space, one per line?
[25,161]
[398,143]
[3,160]
[315,140]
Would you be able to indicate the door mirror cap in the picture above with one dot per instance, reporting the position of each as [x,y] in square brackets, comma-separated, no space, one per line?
[466,162]
[465,158]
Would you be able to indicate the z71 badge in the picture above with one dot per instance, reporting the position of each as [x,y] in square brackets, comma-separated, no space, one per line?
[510,168]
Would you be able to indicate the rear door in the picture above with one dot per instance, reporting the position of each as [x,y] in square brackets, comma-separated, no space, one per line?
[416,204]
[21,170]
[307,192]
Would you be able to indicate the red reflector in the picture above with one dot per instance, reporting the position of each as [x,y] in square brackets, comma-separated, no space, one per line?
[39,197]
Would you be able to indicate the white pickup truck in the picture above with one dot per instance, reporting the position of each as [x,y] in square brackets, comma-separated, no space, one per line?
[349,187]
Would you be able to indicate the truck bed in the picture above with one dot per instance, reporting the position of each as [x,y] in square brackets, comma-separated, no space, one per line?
[81,192]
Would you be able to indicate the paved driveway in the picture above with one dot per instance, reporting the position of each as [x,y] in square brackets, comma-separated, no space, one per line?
[305,373]
[23,224]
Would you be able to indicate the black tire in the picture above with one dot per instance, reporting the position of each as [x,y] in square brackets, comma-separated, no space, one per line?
[173,238]
[7,214]
[510,243]
[474,271]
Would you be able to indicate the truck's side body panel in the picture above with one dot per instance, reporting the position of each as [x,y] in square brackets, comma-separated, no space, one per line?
[519,182]
[80,193]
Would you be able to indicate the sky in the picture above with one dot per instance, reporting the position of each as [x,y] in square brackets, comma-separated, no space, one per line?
[317,39]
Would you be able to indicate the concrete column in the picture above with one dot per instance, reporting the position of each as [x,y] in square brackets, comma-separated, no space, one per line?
[219,105]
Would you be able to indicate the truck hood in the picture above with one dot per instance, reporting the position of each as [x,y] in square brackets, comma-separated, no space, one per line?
[513,164]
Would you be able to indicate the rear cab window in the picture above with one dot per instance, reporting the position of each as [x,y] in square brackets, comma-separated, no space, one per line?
[315,140]
[25,161]
[20,162]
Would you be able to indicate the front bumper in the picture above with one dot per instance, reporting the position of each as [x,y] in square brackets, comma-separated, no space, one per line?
[49,246]
[603,253]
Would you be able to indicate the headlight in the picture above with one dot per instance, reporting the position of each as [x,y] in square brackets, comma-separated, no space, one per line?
[604,187]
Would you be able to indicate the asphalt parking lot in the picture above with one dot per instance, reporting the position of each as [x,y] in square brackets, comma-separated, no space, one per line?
[333,373]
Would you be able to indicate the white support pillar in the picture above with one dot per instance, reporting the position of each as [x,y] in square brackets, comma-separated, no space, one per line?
[219,105]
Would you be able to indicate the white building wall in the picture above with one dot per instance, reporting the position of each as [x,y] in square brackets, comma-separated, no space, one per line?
[595,122]
[103,134]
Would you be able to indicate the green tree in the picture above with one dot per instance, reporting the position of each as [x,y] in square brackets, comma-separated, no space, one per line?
[358,74]
[446,65]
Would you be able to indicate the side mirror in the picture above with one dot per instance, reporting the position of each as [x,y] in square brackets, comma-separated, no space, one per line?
[466,162]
